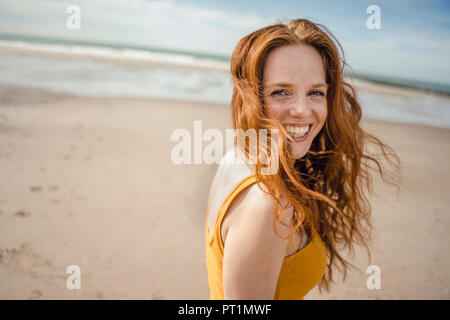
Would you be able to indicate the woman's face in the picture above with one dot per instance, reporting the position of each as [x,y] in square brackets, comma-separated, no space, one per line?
[295,93]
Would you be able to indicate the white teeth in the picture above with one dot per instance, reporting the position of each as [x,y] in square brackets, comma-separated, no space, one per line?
[297,131]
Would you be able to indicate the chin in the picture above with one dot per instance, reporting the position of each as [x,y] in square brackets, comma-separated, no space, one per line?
[299,151]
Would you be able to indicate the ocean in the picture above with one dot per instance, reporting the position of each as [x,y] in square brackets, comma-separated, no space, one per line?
[105,70]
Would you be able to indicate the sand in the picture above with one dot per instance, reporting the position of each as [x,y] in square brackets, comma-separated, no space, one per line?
[90,182]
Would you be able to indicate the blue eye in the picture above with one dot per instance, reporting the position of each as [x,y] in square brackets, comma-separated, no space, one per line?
[317,93]
[278,93]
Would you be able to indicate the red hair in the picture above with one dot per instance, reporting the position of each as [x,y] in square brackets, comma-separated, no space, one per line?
[326,188]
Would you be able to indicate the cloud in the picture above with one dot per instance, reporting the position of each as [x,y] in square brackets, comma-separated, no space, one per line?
[407,45]
[152,23]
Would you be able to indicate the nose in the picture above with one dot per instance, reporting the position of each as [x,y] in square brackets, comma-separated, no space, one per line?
[300,108]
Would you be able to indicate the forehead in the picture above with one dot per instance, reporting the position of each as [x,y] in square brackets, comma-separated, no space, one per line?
[294,64]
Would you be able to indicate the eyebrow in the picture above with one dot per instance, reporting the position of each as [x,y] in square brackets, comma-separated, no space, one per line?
[288,85]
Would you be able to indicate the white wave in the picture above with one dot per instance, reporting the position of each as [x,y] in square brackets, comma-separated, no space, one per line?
[106,79]
[117,53]
[87,77]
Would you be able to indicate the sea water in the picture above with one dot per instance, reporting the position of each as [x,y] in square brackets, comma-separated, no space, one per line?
[96,71]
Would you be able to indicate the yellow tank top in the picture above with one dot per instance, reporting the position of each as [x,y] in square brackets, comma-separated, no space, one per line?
[300,272]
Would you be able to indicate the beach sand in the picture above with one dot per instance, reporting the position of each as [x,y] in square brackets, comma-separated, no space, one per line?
[90,182]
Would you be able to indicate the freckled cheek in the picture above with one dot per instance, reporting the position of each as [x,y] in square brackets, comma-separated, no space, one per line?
[321,113]
[283,105]
[276,109]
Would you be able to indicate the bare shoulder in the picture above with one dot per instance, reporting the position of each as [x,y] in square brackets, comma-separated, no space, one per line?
[227,176]
[252,203]
[253,253]
[255,208]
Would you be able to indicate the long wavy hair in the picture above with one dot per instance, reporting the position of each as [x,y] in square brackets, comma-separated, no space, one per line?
[327,187]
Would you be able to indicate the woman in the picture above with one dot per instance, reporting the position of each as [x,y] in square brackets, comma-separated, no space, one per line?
[276,236]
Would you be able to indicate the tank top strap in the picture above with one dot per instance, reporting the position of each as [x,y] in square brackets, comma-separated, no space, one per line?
[237,189]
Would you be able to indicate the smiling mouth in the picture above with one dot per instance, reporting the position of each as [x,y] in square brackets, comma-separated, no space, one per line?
[298,132]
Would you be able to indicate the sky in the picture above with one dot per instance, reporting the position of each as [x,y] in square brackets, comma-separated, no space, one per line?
[412,43]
